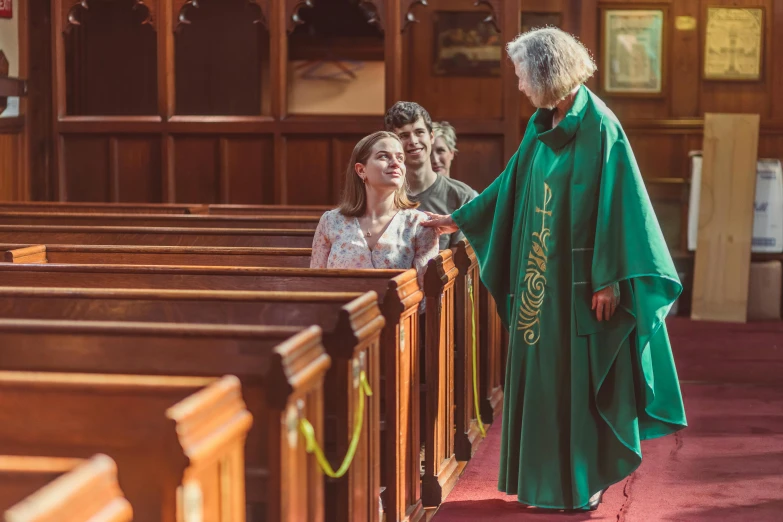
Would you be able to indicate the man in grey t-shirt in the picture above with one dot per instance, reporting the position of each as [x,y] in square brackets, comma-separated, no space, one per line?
[435,193]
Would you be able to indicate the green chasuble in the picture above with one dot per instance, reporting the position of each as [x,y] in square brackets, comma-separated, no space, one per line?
[569,216]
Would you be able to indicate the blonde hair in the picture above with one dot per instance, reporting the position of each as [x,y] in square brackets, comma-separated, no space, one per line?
[354,200]
[552,62]
[444,130]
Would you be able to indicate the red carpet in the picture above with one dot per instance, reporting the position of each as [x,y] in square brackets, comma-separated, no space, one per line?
[727,466]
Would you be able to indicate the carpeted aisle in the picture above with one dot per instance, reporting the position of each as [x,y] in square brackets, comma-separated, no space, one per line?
[727,466]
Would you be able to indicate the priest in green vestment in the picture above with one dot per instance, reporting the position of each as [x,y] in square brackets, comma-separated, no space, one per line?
[570,249]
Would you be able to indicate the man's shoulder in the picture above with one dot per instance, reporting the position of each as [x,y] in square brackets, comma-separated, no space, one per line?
[461,190]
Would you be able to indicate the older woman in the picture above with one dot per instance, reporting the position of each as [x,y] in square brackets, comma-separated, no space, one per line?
[376,225]
[570,249]
[444,148]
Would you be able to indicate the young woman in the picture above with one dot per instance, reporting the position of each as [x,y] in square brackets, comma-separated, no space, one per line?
[376,225]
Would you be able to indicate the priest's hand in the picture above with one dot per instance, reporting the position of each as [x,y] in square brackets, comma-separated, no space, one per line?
[605,302]
[442,224]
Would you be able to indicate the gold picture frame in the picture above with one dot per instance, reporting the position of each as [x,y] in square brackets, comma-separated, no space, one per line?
[734,44]
[633,43]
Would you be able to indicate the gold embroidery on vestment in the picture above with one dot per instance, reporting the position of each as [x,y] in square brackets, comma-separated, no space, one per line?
[535,277]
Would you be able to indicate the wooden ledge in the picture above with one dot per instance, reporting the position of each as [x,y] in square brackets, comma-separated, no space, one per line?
[302,360]
[12,125]
[211,418]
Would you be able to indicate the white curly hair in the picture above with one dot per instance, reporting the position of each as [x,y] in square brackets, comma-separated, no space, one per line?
[551,64]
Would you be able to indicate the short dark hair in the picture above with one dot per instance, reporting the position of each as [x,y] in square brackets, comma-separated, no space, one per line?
[404,113]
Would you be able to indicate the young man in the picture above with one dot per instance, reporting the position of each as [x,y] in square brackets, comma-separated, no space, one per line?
[437,194]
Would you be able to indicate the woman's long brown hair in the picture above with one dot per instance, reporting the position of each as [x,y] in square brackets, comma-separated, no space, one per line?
[354,200]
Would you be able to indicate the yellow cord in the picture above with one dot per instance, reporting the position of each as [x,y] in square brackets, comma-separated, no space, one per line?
[308,432]
[481,427]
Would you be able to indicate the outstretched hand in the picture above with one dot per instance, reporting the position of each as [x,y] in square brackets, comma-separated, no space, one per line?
[442,224]
[605,302]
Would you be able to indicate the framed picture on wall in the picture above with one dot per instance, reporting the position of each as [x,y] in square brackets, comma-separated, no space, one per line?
[465,45]
[633,52]
[733,44]
[539,20]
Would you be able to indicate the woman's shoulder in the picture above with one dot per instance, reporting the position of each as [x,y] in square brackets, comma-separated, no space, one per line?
[414,217]
[332,216]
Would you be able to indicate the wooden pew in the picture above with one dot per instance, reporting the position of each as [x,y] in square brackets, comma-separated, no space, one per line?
[163,432]
[213,237]
[71,206]
[125,219]
[156,255]
[45,489]
[488,323]
[162,208]
[266,210]
[351,324]
[399,294]
[282,375]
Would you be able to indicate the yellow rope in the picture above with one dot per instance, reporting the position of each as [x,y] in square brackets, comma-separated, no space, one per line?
[308,432]
[475,357]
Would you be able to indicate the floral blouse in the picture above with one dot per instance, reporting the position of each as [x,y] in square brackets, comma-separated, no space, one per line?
[339,243]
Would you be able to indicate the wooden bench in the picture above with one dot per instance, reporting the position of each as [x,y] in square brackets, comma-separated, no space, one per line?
[281,370]
[117,208]
[161,208]
[266,210]
[126,219]
[45,489]
[163,432]
[213,237]
[156,255]
[488,332]
[351,324]
[400,296]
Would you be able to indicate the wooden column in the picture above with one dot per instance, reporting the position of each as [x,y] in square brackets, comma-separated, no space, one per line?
[392,22]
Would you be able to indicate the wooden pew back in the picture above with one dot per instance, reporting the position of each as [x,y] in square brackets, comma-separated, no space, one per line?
[157,220]
[351,324]
[101,235]
[281,371]
[162,432]
[157,255]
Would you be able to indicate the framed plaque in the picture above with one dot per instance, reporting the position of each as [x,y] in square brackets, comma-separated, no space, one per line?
[733,46]
[633,51]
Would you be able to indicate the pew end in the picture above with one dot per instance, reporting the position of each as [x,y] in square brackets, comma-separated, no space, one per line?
[83,491]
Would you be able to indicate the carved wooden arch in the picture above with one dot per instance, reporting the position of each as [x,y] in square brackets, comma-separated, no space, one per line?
[293,7]
[406,12]
[72,10]
[181,8]
[495,13]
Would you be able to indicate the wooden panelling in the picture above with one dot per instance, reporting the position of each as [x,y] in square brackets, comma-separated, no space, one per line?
[660,155]
[10,165]
[220,76]
[138,163]
[86,160]
[447,97]
[479,160]
[111,60]
[197,165]
[342,148]
[248,165]
[683,65]
[193,147]
[309,176]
